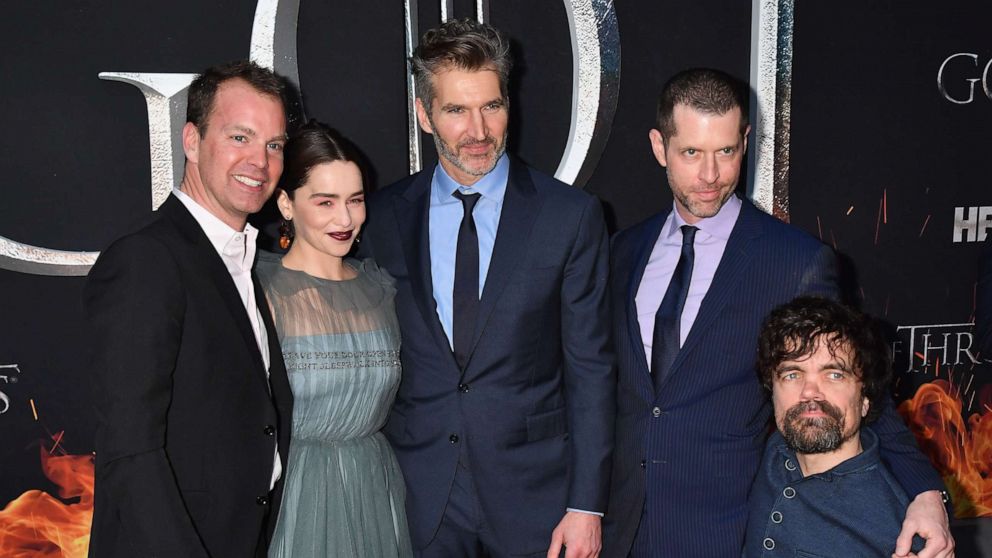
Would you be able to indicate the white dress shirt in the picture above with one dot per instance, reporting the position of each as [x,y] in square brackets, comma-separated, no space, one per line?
[237,250]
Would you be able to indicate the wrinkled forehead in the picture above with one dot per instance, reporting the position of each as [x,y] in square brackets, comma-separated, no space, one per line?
[824,346]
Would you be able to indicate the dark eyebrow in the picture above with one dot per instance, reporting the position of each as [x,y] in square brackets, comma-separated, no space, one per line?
[249,132]
[335,196]
[244,130]
[836,365]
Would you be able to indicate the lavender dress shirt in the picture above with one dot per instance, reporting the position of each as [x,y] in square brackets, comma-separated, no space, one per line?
[710,242]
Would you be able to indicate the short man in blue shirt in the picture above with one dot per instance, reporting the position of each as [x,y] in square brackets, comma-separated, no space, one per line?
[822,489]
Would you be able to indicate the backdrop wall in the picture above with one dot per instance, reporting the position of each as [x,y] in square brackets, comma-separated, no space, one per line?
[881,150]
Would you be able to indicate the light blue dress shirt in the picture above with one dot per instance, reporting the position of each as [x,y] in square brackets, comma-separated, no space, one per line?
[445,217]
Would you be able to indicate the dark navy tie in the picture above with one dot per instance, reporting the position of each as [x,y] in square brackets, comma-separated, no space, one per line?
[665,343]
[465,295]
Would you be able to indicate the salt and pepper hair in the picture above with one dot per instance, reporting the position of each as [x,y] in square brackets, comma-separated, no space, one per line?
[704,90]
[794,330]
[463,44]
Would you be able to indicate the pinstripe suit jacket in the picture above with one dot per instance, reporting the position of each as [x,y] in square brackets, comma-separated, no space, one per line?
[686,455]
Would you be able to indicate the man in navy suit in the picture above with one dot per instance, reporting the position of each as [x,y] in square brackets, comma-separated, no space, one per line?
[503,423]
[689,289]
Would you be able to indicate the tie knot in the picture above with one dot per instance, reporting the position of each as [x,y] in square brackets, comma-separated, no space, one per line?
[688,234]
[468,200]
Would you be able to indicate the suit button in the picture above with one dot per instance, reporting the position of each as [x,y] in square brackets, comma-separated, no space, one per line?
[453,438]
[269,430]
[656,412]
[262,501]
[644,463]
[463,388]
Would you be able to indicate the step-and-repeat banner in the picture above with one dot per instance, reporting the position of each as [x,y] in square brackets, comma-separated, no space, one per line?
[871,132]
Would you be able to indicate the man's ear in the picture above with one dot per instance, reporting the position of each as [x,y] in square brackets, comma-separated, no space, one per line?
[658,147]
[284,204]
[425,122]
[191,142]
[865,405]
[746,132]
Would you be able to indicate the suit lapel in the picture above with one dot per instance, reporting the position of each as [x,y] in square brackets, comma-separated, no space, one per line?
[733,263]
[645,245]
[520,208]
[411,209]
[209,261]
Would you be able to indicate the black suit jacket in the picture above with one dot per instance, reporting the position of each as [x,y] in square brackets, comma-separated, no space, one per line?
[187,425]
[686,456]
[533,411]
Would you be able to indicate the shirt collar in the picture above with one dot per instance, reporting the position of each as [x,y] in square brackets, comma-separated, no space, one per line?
[491,186]
[719,225]
[239,246]
[868,457]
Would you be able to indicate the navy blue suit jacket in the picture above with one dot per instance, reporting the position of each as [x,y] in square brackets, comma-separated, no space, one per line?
[533,410]
[690,452]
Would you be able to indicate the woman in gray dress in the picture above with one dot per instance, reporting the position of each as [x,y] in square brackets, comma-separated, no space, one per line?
[344,493]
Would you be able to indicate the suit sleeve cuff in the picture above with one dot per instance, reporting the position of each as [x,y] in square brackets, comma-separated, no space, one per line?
[600,514]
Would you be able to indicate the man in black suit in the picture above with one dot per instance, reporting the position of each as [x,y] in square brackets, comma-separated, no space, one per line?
[192,396]
[690,287]
[503,424]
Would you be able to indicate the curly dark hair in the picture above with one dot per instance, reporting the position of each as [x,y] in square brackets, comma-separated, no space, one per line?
[794,330]
[464,44]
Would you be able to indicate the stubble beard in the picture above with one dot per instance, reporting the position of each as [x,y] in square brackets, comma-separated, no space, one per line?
[700,210]
[452,154]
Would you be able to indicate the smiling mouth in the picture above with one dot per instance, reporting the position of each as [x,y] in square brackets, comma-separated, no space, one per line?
[250,182]
[708,194]
[479,147]
[340,236]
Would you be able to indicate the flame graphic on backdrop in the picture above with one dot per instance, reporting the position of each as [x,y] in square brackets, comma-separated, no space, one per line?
[37,524]
[962,453]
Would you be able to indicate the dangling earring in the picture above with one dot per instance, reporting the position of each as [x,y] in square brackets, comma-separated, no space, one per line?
[285,233]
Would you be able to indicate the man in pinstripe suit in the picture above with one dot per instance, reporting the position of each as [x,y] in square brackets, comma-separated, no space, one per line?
[690,288]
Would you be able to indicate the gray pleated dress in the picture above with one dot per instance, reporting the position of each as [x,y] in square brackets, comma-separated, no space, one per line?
[344,493]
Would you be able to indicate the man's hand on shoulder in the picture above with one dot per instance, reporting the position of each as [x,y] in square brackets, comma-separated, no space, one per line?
[581,535]
[926,517]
